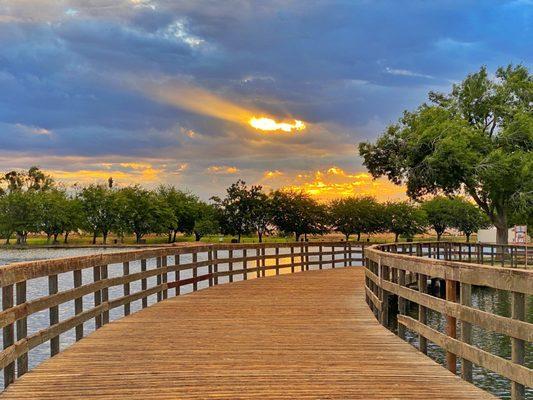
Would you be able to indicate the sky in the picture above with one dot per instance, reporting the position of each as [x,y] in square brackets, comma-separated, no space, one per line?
[180,92]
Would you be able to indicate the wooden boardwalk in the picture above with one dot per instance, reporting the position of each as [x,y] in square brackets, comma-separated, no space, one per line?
[306,335]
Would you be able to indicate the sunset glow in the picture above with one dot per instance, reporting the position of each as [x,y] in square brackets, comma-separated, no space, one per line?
[268,124]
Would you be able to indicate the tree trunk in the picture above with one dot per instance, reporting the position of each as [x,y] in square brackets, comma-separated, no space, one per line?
[502,233]
[48,236]
[197,236]
[296,236]
[260,236]
[55,238]
[138,237]
[396,235]
[468,237]
[104,234]
[439,235]
[239,238]
[358,236]
[347,236]
[66,237]
[94,237]
[174,236]
[8,238]
[170,236]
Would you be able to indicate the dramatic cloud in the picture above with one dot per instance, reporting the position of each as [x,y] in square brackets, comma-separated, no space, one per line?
[162,91]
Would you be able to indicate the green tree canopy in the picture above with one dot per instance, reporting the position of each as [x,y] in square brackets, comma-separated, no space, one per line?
[468,218]
[404,219]
[297,213]
[99,209]
[440,212]
[355,215]
[476,140]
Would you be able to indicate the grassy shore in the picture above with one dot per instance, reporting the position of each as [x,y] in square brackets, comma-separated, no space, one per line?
[86,240]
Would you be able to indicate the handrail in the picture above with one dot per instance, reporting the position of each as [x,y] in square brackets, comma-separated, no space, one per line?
[96,275]
[402,270]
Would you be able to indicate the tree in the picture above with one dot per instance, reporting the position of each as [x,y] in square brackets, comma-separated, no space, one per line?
[476,140]
[52,206]
[441,214]
[355,215]
[206,222]
[99,210]
[183,205]
[142,212]
[297,213]
[260,210]
[404,219]
[74,217]
[20,214]
[235,209]
[467,217]
[33,179]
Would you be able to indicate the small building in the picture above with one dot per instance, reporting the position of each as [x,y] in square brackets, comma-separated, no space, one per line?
[516,235]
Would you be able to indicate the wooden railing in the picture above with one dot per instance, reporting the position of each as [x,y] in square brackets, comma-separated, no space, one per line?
[90,287]
[458,266]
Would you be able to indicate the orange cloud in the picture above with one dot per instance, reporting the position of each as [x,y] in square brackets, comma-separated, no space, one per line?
[123,173]
[222,170]
[334,182]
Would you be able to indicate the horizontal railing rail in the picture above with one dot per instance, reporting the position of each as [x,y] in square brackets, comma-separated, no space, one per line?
[396,279]
[90,287]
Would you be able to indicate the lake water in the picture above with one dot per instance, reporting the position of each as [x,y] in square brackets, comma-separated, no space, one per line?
[491,300]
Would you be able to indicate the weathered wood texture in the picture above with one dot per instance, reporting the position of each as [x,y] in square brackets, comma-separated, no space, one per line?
[16,347]
[304,335]
[435,261]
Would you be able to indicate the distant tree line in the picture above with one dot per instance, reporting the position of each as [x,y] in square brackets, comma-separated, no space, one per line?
[31,202]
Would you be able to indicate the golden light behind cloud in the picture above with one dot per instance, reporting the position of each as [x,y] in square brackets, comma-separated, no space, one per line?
[268,124]
[334,182]
[201,101]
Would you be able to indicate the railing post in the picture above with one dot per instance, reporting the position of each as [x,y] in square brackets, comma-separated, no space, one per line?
[195,270]
[292,258]
[263,260]
[210,266]
[78,303]
[97,298]
[466,330]
[451,325]
[144,284]
[230,265]
[384,276]
[158,278]
[54,314]
[8,334]
[518,305]
[332,256]
[402,303]
[164,275]
[105,295]
[422,312]
[22,329]
[126,287]
[277,259]
[215,266]
[177,273]
[244,265]
[302,257]
[257,262]
[320,257]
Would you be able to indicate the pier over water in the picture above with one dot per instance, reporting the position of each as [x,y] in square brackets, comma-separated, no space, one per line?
[303,330]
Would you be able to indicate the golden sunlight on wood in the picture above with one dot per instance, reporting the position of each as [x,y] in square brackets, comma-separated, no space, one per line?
[268,124]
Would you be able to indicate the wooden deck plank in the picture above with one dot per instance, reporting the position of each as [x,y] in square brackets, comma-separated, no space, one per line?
[307,335]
